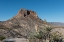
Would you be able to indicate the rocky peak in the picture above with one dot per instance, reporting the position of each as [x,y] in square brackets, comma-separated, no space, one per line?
[24,13]
[24,23]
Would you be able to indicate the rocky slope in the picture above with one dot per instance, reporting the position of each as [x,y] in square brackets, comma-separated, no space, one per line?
[26,22]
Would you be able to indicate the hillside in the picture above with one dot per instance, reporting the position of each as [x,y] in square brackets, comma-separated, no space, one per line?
[21,25]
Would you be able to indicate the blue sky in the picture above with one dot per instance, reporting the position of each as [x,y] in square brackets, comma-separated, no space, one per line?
[51,10]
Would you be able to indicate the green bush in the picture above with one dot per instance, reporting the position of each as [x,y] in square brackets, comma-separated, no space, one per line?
[56,36]
[41,35]
[38,36]
[2,37]
[45,33]
[48,29]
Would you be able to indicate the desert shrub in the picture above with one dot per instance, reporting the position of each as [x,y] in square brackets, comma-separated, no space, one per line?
[48,29]
[2,37]
[42,33]
[36,37]
[39,36]
[47,32]
[56,37]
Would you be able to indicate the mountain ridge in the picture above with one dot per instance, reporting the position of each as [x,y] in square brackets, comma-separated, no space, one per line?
[24,23]
[57,24]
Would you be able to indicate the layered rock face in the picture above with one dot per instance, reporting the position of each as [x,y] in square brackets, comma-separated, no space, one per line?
[21,25]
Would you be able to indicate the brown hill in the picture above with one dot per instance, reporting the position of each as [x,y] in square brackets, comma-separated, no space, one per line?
[26,22]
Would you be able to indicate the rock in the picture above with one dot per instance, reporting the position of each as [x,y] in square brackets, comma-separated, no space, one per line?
[24,13]
[16,40]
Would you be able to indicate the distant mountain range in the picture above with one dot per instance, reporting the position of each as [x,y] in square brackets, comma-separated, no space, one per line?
[57,24]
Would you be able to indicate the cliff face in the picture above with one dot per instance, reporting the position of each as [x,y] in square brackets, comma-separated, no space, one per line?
[21,25]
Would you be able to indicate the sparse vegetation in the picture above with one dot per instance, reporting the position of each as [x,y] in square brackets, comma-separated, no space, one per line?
[45,21]
[40,35]
[2,37]
[54,37]
[44,34]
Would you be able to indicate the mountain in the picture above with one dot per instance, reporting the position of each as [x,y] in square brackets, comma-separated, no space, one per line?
[57,24]
[26,22]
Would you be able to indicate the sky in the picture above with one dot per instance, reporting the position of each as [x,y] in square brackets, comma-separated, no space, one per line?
[51,10]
